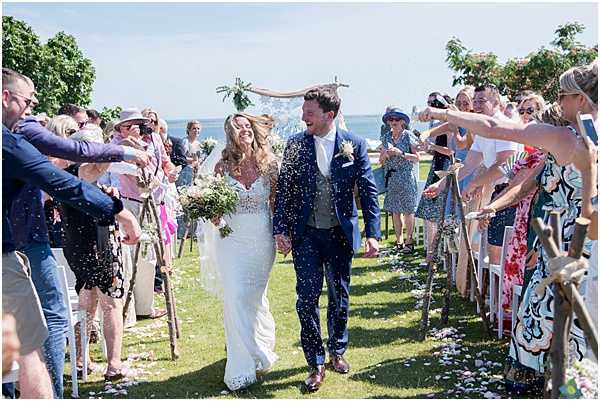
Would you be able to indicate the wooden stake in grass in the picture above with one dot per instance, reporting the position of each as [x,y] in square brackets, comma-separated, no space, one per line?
[565,273]
[149,213]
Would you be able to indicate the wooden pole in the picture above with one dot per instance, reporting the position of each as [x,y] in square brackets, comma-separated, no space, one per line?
[432,268]
[166,275]
[471,259]
[134,267]
[566,298]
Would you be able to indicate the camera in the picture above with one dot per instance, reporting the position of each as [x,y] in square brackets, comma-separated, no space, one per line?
[439,102]
[145,130]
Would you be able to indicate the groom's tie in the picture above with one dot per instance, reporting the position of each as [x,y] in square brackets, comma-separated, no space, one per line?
[322,160]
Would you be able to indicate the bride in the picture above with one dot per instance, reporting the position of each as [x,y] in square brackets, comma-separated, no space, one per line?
[237,267]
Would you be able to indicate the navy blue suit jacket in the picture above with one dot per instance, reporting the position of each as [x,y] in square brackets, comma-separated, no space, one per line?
[297,185]
[22,163]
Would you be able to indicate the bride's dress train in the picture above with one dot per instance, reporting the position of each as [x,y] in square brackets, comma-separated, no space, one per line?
[244,260]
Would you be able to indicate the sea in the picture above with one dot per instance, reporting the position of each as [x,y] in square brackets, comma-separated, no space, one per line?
[367,126]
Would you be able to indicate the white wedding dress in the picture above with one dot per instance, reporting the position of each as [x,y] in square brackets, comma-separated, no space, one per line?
[244,261]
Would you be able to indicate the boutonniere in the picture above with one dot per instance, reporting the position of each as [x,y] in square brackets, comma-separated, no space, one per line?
[346,150]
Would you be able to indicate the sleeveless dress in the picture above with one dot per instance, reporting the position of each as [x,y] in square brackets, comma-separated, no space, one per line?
[532,332]
[245,261]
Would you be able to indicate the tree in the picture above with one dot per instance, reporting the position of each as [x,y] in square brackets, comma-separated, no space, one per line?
[58,68]
[108,114]
[538,71]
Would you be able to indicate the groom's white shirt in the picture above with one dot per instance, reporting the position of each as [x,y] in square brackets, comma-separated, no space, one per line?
[324,147]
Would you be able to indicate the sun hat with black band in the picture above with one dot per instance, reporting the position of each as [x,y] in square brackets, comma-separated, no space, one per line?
[130,115]
[396,112]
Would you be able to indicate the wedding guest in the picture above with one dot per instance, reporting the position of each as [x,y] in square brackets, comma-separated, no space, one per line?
[190,146]
[27,216]
[568,180]
[43,119]
[530,105]
[430,209]
[491,154]
[63,126]
[401,161]
[78,113]
[127,131]
[93,252]
[94,117]
[23,164]
[385,128]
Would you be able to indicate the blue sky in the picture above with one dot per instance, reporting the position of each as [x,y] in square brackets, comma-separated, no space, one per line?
[173,56]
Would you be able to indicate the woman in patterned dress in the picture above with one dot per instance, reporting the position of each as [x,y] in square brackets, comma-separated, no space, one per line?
[430,209]
[93,251]
[400,159]
[524,170]
[568,183]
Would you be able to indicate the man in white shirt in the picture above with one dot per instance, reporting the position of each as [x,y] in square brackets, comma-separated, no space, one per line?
[487,155]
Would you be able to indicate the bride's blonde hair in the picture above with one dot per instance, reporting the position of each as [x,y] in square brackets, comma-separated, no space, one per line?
[232,154]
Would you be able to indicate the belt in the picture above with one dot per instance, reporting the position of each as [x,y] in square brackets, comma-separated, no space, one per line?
[131,199]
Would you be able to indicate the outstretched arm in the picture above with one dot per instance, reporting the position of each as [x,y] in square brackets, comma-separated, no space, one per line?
[559,141]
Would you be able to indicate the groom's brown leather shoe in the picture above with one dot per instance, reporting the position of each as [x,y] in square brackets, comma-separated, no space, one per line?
[316,374]
[340,364]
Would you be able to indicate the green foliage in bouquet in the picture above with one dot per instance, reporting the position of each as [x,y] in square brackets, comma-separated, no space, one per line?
[208,145]
[241,101]
[210,197]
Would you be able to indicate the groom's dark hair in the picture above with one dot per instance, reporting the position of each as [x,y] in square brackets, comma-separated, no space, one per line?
[327,98]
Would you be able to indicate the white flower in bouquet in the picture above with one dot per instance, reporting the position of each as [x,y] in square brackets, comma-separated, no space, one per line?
[209,198]
[208,145]
[582,380]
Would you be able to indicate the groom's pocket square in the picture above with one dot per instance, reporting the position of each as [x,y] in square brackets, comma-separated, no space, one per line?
[347,164]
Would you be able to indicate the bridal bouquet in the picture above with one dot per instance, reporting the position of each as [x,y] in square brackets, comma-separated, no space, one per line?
[210,197]
[208,145]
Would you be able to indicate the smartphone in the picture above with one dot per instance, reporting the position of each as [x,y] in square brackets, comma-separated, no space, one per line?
[587,127]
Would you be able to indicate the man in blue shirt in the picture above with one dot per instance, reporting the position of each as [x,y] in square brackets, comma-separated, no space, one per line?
[22,164]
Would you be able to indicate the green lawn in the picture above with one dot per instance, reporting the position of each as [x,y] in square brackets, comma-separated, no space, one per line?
[387,359]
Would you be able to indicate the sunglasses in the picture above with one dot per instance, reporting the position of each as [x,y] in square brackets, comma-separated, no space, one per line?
[394,119]
[82,123]
[153,122]
[561,95]
[29,102]
[528,110]
[70,131]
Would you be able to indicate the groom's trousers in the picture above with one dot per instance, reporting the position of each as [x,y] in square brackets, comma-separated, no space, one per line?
[322,253]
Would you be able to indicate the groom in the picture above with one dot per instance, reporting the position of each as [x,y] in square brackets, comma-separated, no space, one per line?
[316,218]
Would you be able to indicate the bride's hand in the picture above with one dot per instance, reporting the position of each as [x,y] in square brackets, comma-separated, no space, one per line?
[284,245]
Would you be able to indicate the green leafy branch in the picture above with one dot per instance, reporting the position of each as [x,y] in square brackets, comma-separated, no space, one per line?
[241,101]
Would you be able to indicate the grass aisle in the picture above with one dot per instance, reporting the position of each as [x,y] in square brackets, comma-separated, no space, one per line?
[386,357]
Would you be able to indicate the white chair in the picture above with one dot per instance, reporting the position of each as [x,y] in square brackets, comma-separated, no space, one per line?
[75,315]
[482,264]
[495,291]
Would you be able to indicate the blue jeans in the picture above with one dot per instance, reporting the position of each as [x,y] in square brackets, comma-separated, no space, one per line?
[44,274]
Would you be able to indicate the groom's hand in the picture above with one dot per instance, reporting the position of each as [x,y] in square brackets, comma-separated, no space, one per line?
[371,248]
[284,245]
